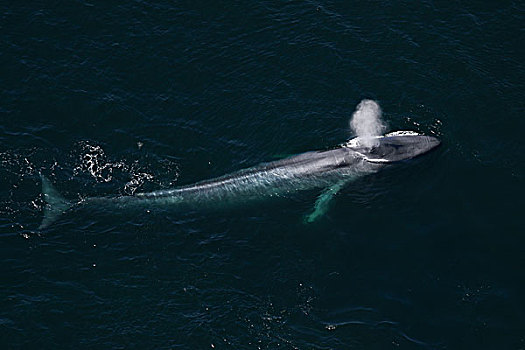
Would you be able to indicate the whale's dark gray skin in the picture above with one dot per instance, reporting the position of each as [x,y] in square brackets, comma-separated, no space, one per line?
[330,170]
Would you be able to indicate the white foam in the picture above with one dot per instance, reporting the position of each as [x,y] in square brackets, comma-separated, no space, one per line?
[403,133]
[358,141]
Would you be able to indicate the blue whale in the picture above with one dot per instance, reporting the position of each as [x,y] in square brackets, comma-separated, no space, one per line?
[328,170]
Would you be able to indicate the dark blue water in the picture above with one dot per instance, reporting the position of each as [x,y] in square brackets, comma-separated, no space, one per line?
[113,97]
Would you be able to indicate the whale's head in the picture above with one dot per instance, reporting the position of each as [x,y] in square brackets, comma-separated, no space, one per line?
[393,147]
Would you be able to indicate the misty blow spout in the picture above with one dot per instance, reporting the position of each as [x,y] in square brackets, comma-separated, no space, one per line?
[366,122]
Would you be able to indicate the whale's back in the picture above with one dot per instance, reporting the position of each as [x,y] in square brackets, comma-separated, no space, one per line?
[304,171]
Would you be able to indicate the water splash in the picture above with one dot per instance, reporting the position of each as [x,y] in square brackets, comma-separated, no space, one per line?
[366,123]
[93,161]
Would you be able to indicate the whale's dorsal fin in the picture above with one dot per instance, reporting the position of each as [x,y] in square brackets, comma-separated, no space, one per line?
[323,201]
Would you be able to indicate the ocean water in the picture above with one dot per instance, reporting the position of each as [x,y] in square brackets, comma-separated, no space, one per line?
[114,97]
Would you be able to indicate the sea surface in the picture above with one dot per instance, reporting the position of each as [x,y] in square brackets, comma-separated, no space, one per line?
[110,98]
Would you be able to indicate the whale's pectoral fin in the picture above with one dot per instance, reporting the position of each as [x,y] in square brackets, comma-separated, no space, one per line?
[322,204]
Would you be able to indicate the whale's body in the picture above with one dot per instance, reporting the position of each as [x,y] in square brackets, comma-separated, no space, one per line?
[302,172]
[329,170]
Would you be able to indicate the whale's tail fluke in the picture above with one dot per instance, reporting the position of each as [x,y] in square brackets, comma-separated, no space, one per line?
[55,203]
